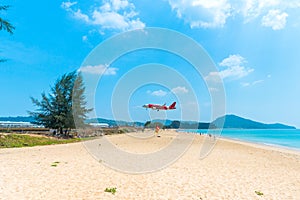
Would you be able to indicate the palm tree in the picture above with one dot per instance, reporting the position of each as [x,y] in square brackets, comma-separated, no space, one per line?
[4,24]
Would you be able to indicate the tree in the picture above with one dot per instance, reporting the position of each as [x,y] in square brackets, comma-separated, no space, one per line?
[150,124]
[146,125]
[5,25]
[175,124]
[65,107]
[79,103]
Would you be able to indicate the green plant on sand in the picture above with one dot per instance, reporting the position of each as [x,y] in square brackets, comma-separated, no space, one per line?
[54,164]
[111,190]
[259,193]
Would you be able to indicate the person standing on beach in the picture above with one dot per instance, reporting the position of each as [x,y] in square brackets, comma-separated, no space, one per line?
[157,129]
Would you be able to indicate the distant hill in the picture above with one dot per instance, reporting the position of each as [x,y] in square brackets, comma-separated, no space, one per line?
[189,125]
[229,121]
[233,121]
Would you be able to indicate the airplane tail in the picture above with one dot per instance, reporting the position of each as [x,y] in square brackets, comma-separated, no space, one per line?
[172,106]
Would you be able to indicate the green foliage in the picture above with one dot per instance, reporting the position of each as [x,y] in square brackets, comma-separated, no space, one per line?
[54,164]
[64,106]
[21,140]
[5,7]
[259,193]
[147,124]
[78,102]
[4,24]
[175,124]
[111,190]
[150,124]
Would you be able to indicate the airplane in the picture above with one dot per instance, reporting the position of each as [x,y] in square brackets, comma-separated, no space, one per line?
[160,107]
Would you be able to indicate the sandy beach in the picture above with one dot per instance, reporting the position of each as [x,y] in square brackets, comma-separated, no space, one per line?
[233,170]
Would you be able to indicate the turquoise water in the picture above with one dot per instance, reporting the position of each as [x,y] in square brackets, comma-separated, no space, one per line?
[289,138]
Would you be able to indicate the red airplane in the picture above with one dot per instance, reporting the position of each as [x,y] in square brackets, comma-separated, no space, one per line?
[160,107]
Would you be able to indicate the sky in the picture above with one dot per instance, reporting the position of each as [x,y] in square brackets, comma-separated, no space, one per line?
[253,44]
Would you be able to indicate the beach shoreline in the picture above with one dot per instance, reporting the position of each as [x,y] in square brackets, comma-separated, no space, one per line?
[271,147]
[261,143]
[233,170]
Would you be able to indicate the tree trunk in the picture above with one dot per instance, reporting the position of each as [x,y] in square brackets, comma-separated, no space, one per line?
[67,132]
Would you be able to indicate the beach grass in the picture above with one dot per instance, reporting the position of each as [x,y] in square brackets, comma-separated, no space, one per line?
[23,140]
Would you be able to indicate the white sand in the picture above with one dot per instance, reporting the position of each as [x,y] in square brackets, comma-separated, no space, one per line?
[233,170]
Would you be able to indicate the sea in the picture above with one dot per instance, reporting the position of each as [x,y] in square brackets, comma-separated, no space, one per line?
[283,138]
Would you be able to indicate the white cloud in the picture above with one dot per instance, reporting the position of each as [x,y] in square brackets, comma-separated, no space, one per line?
[234,67]
[120,4]
[214,13]
[252,9]
[98,70]
[247,84]
[119,15]
[179,90]
[159,93]
[213,77]
[275,19]
[235,72]
[84,38]
[202,13]
[232,60]
[257,82]
[256,8]
[79,15]
[68,4]
[110,20]
[212,89]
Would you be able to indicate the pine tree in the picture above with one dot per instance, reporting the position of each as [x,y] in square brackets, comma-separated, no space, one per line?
[65,107]
[78,103]
[5,25]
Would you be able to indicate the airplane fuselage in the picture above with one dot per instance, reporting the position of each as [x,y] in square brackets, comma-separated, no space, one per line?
[160,107]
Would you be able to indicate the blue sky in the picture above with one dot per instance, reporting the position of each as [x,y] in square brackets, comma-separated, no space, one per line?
[254,44]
